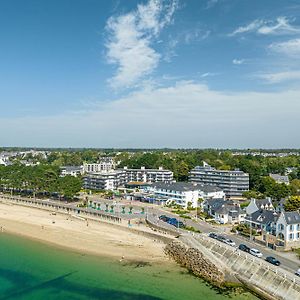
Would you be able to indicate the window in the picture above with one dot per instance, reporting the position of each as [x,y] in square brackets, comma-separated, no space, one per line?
[298,227]
[298,236]
[280,227]
[291,236]
[291,227]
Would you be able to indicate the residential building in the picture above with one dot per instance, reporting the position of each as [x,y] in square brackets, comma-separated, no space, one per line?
[224,211]
[71,170]
[210,192]
[279,230]
[288,230]
[105,164]
[104,180]
[181,193]
[148,175]
[259,204]
[280,178]
[233,183]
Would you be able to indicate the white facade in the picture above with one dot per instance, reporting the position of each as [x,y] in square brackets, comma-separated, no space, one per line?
[218,194]
[180,193]
[71,170]
[289,234]
[234,183]
[105,164]
[148,175]
[104,180]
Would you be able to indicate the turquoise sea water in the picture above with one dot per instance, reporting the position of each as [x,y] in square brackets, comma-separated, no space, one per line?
[32,270]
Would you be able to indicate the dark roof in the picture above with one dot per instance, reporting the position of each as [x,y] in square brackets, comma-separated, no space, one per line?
[292,217]
[264,202]
[71,168]
[263,216]
[215,202]
[176,186]
[233,210]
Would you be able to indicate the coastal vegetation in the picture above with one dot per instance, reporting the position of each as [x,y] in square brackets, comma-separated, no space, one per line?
[38,181]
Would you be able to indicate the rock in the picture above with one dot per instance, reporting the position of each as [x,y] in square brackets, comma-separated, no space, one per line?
[195,262]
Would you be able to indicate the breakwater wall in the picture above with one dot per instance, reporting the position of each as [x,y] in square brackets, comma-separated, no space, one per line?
[269,281]
[196,262]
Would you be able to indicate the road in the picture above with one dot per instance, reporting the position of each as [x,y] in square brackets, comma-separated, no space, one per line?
[287,263]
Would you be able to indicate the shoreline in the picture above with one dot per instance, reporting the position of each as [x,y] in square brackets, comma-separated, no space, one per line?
[92,237]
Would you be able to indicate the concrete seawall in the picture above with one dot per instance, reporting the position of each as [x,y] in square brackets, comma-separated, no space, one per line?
[270,281]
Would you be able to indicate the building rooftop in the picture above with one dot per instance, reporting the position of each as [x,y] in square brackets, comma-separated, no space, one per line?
[176,186]
[263,216]
[292,217]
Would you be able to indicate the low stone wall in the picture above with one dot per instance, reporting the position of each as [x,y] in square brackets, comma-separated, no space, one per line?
[196,262]
[157,228]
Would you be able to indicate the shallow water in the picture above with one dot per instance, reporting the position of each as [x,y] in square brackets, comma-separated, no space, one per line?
[33,270]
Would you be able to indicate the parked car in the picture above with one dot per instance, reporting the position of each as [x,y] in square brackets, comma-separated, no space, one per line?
[272,260]
[244,248]
[230,242]
[221,238]
[164,218]
[212,235]
[297,272]
[172,221]
[255,252]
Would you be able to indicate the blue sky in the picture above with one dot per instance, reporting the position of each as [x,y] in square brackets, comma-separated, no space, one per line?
[153,73]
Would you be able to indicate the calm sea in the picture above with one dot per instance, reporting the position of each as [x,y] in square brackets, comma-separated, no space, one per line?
[32,270]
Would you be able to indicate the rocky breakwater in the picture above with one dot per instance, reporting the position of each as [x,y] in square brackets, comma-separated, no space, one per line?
[195,262]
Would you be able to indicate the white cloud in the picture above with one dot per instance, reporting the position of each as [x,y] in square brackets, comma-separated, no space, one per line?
[195,35]
[173,116]
[250,27]
[238,61]
[278,77]
[280,26]
[130,39]
[290,48]
[208,74]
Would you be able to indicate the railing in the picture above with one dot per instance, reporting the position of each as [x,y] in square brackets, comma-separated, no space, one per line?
[61,206]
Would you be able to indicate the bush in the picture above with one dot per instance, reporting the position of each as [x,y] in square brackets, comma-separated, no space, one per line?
[191,228]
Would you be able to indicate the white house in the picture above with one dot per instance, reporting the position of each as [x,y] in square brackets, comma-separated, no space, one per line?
[210,192]
[279,230]
[71,170]
[288,230]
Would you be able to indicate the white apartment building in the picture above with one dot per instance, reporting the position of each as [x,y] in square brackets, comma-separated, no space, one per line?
[233,183]
[105,164]
[148,175]
[104,180]
[181,193]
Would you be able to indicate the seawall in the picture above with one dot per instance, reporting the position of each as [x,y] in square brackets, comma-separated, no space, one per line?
[269,281]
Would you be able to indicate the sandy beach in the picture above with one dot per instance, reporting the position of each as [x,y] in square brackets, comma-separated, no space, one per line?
[92,237]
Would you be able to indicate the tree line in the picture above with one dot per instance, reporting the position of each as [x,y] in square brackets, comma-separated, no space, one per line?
[41,181]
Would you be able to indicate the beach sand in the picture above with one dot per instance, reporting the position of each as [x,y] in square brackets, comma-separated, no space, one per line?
[98,238]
